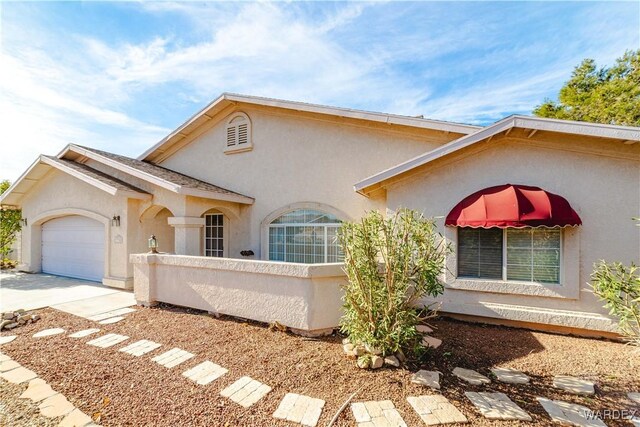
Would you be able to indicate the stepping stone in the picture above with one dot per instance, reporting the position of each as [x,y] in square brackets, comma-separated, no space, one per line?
[18,375]
[4,357]
[377,413]
[470,376]
[84,333]
[205,373]
[109,314]
[497,406]
[111,320]
[635,397]
[172,358]
[246,391]
[431,342]
[76,418]
[510,376]
[139,348]
[300,409]
[38,390]
[428,378]
[7,339]
[48,332]
[108,340]
[436,410]
[8,365]
[569,413]
[55,406]
[574,385]
[424,329]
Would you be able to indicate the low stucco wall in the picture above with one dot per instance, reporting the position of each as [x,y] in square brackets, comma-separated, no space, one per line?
[301,296]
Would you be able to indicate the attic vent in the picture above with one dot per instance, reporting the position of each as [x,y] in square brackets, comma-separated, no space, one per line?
[238,133]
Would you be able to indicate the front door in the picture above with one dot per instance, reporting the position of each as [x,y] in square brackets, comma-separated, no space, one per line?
[214,235]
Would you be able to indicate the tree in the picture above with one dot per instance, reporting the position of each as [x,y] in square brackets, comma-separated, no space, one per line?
[605,95]
[10,224]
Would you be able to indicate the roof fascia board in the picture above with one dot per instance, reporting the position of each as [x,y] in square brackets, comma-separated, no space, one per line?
[18,181]
[91,181]
[578,128]
[217,196]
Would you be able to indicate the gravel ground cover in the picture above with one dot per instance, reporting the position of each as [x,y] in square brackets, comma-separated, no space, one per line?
[122,390]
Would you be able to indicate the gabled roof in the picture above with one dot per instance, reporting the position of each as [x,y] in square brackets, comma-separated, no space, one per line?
[228,99]
[162,177]
[44,164]
[627,134]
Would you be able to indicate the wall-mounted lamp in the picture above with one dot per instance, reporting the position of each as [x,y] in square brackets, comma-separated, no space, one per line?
[24,221]
[153,245]
[115,221]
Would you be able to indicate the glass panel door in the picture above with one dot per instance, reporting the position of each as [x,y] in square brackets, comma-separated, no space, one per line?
[213,237]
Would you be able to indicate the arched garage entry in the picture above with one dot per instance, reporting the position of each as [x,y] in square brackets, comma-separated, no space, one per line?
[73,246]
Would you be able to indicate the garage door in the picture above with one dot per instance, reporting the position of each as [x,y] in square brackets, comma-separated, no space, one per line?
[73,246]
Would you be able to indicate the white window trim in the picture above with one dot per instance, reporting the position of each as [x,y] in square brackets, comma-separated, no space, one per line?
[237,148]
[569,286]
[225,235]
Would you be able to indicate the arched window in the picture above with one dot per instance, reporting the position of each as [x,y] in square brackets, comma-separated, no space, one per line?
[305,236]
[238,133]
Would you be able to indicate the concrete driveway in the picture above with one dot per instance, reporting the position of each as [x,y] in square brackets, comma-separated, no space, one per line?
[79,297]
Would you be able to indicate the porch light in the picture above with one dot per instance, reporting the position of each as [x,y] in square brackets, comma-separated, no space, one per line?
[153,245]
[115,221]
[23,221]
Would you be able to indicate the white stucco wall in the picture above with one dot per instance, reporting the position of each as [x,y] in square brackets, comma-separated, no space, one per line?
[601,185]
[295,160]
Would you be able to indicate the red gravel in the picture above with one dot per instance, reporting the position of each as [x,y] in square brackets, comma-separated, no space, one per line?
[119,389]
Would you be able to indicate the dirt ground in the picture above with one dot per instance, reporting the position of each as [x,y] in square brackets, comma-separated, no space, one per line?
[122,390]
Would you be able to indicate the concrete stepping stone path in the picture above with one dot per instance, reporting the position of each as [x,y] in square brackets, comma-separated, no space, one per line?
[569,413]
[18,375]
[471,376]
[635,397]
[173,357]
[574,385]
[84,333]
[497,406]
[427,378]
[38,390]
[76,418]
[377,414]
[110,320]
[510,376]
[7,365]
[7,339]
[109,314]
[431,342]
[55,406]
[300,409]
[108,340]
[4,357]
[205,373]
[48,332]
[246,391]
[139,348]
[434,410]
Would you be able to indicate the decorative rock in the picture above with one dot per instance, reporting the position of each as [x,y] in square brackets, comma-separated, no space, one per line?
[246,391]
[11,325]
[8,365]
[346,341]
[497,406]
[372,350]
[300,409]
[38,390]
[427,378]
[18,375]
[574,385]
[5,323]
[205,373]
[569,413]
[55,406]
[359,350]
[7,339]
[48,332]
[76,418]
[471,376]
[510,376]
[7,316]
[374,413]
[401,357]
[424,329]
[84,333]
[635,397]
[436,410]
[392,361]
[376,362]
[363,362]
[348,348]
[431,342]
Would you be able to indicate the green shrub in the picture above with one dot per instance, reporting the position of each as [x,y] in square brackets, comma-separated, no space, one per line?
[391,264]
[619,287]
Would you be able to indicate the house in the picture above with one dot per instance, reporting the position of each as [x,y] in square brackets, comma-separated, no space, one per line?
[246,196]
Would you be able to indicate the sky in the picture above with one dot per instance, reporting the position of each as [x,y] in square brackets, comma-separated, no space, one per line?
[119,76]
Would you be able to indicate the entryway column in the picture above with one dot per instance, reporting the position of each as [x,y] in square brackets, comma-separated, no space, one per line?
[187,234]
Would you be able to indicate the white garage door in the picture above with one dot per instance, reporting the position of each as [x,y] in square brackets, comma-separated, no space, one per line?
[73,246]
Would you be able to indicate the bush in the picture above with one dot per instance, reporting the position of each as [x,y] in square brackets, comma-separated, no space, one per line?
[619,287]
[391,264]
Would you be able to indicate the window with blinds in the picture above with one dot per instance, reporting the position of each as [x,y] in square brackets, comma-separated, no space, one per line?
[529,254]
[238,133]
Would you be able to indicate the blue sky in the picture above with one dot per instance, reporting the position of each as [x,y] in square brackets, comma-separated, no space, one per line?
[119,76]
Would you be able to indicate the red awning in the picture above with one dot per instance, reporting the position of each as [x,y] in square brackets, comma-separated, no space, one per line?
[513,206]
